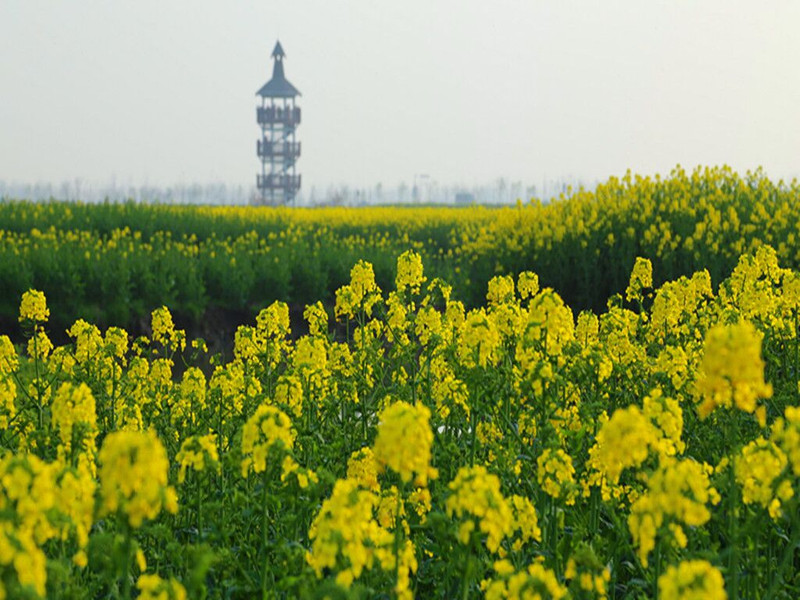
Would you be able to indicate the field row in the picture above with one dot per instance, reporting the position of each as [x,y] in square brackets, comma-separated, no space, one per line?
[112,263]
[417,448]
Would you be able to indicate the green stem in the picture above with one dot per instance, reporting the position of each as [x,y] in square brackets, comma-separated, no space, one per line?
[264,536]
[397,536]
[199,507]
[554,533]
[39,406]
[473,437]
[126,560]
[657,568]
[733,533]
[467,579]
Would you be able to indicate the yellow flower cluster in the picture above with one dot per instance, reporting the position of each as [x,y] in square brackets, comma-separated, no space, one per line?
[679,491]
[27,492]
[786,434]
[198,452]
[33,307]
[585,571]
[534,583]
[317,319]
[479,341]
[360,295]
[692,580]
[133,477]
[164,331]
[269,428]
[501,290]
[528,284]
[759,470]
[291,468]
[409,272]
[641,278]
[624,441]
[556,475]
[363,468]
[477,501]
[732,371]
[152,587]
[74,416]
[345,535]
[404,442]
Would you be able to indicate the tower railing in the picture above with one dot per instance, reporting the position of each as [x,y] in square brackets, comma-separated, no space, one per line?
[276,115]
[285,149]
[290,183]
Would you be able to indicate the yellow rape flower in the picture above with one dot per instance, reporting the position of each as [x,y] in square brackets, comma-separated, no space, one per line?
[758,470]
[363,468]
[152,587]
[20,551]
[537,582]
[501,290]
[732,370]
[479,341]
[624,441]
[317,319]
[289,394]
[404,442]
[550,324]
[665,413]
[525,520]
[786,434]
[527,284]
[303,476]
[39,345]
[133,477]
[679,490]
[641,278]
[556,475]
[476,499]
[164,331]
[361,294]
[74,416]
[409,272]
[692,580]
[197,452]
[9,361]
[33,307]
[346,537]
[268,428]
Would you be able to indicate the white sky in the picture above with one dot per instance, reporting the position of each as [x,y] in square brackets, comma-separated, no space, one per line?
[163,92]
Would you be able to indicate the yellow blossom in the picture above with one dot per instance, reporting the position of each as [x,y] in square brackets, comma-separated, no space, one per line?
[133,476]
[268,428]
[476,499]
[34,307]
[404,441]
[692,580]
[732,370]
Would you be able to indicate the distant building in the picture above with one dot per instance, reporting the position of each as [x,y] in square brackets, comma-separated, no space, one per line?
[277,149]
[464,199]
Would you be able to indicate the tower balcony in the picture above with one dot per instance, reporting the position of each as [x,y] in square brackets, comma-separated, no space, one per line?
[276,115]
[289,150]
[290,183]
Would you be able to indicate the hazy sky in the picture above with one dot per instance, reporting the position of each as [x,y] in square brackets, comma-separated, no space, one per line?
[163,91]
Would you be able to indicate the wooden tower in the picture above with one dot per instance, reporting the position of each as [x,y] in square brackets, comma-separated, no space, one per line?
[278,117]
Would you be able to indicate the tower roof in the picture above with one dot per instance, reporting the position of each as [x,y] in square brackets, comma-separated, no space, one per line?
[278,86]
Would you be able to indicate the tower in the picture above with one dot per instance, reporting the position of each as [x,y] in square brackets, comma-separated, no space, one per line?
[277,149]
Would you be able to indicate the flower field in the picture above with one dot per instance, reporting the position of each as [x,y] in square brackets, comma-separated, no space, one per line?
[410,446]
[113,263]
